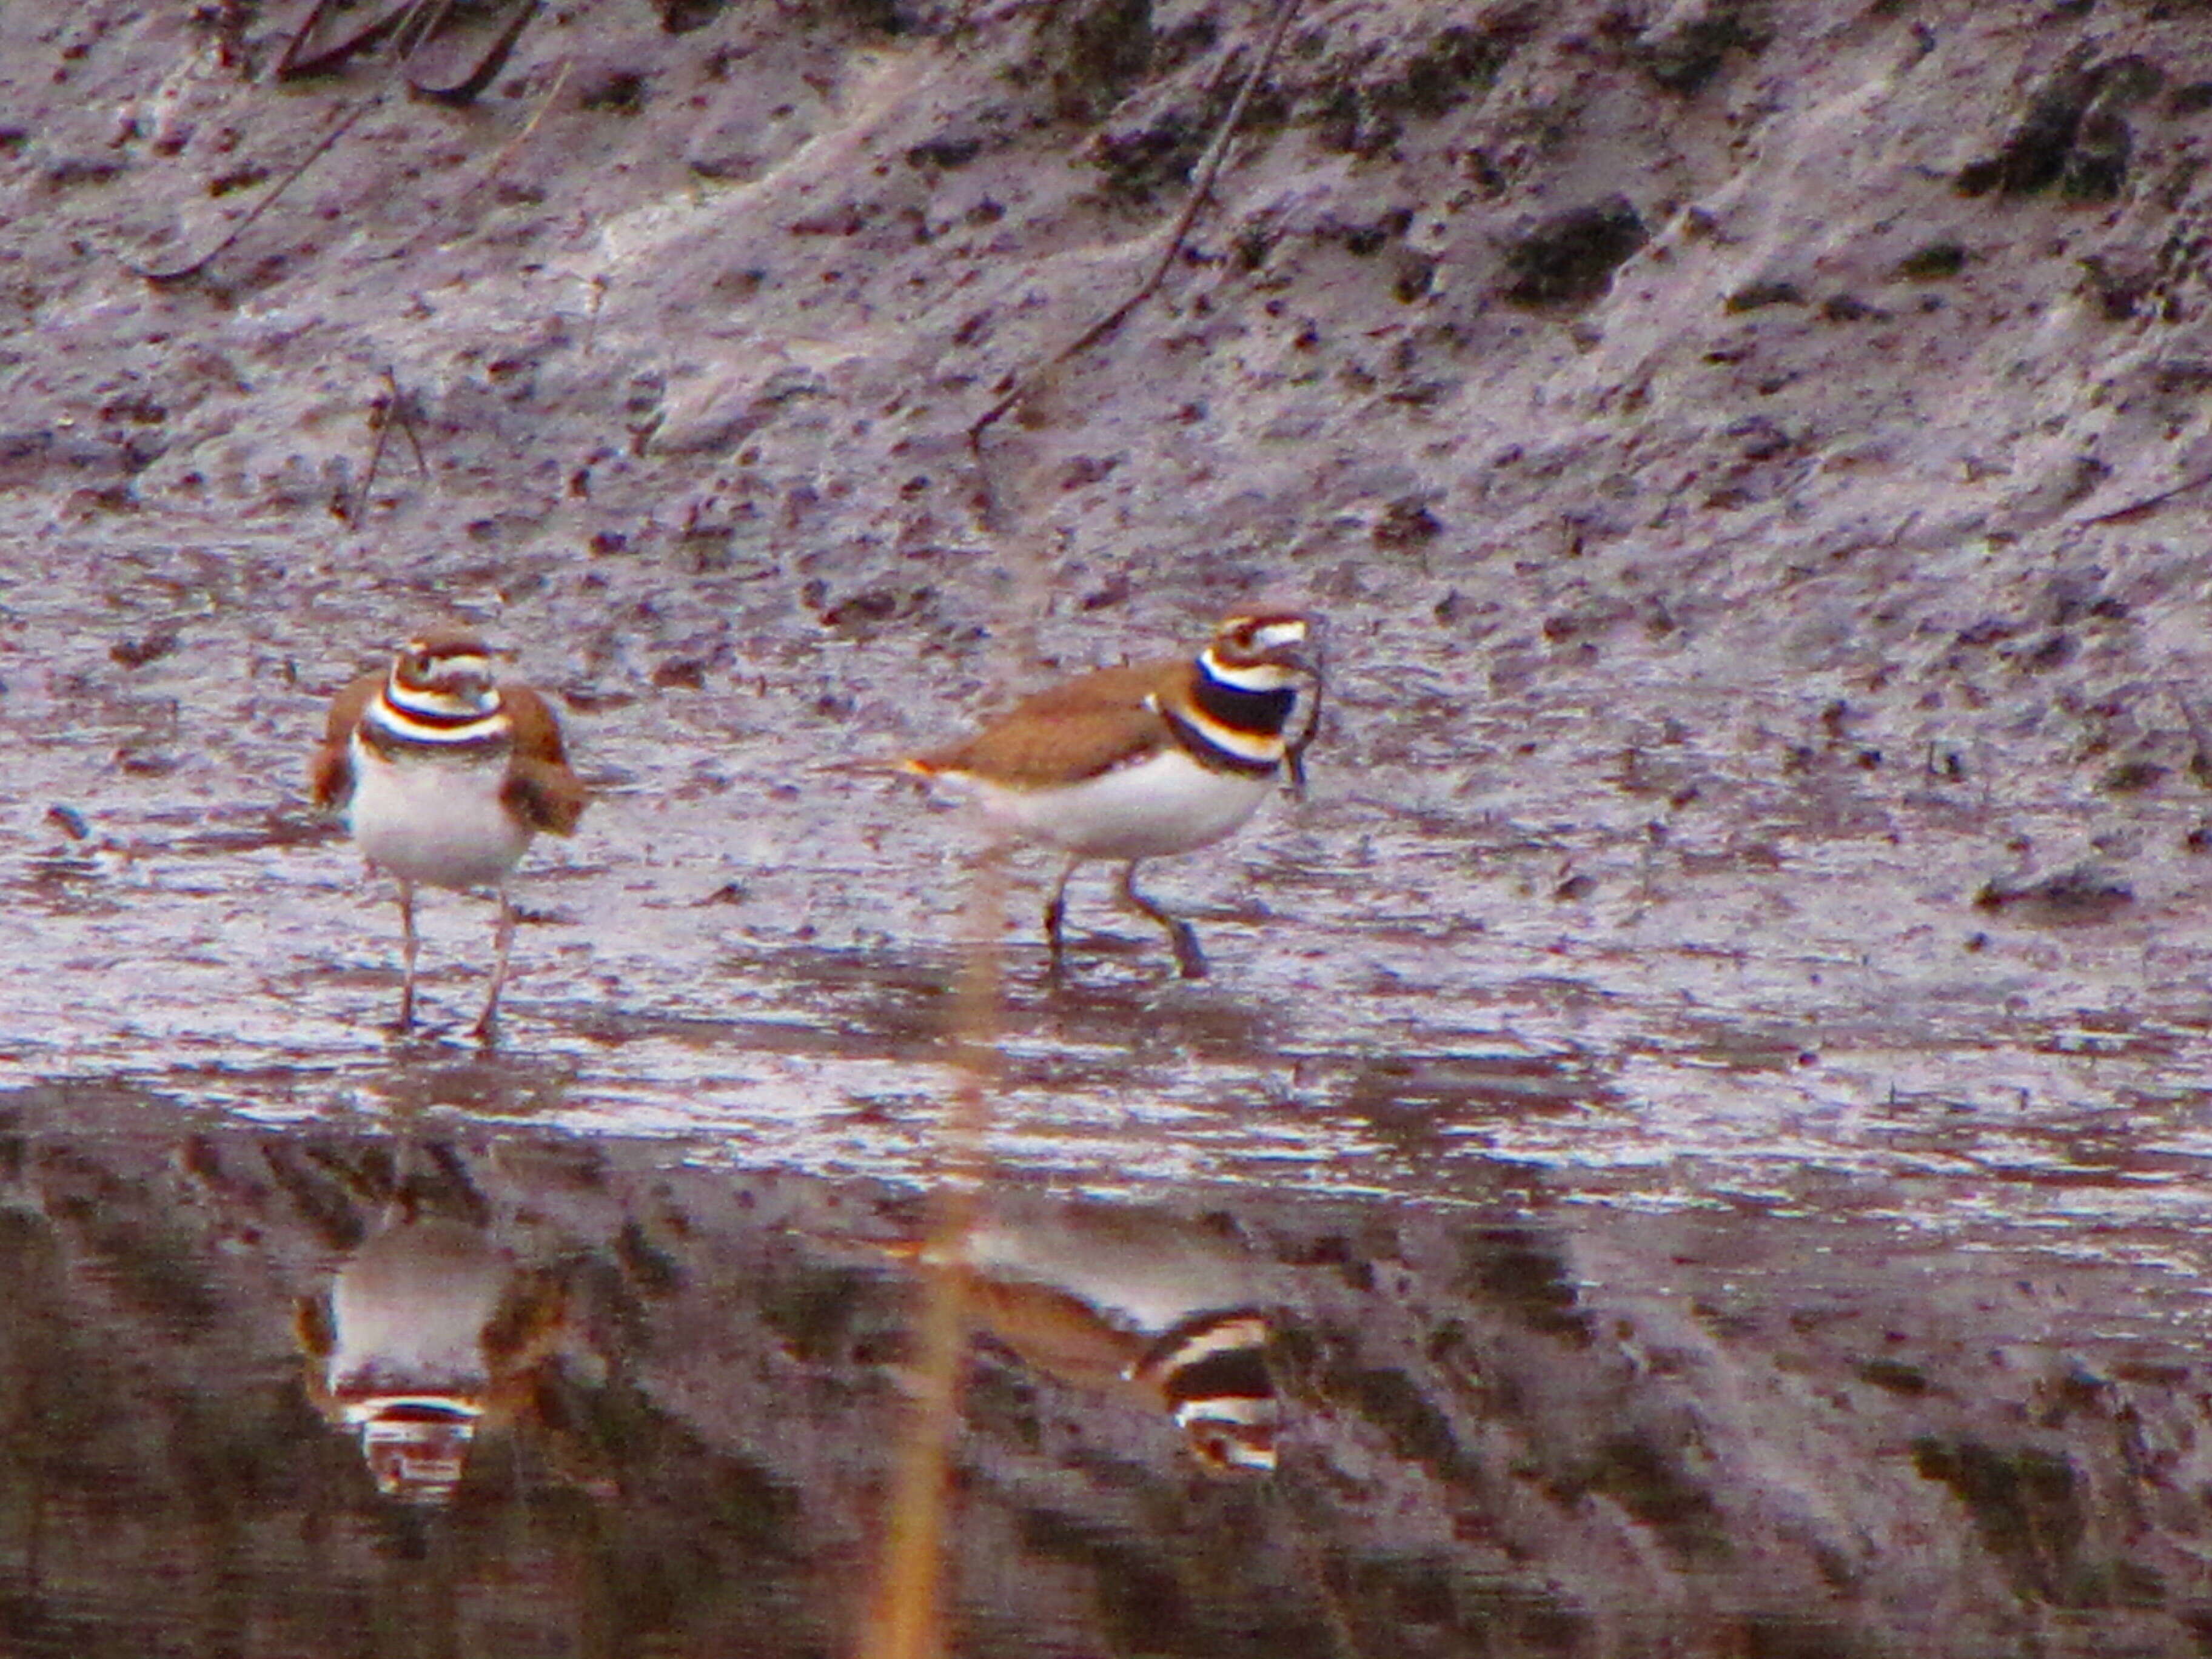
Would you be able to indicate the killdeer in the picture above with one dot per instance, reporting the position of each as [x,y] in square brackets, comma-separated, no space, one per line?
[1137,1305]
[444,775]
[1143,761]
[429,1333]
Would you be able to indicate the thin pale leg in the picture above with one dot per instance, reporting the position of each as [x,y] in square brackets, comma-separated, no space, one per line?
[488,1022]
[1190,961]
[1055,913]
[407,948]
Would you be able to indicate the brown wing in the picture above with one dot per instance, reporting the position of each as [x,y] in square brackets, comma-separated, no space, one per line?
[1079,729]
[330,774]
[539,786]
[537,728]
[1053,1330]
[544,796]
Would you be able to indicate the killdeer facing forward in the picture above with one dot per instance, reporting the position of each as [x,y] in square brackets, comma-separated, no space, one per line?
[445,776]
[1140,761]
[429,1333]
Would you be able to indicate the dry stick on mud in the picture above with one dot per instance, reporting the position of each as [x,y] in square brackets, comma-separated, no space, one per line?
[179,273]
[2136,509]
[492,169]
[2200,741]
[1200,191]
[906,1620]
[321,147]
[389,408]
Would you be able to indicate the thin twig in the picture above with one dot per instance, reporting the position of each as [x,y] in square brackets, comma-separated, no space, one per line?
[179,273]
[906,1620]
[395,411]
[353,515]
[2200,760]
[401,407]
[296,60]
[1201,190]
[493,168]
[2136,509]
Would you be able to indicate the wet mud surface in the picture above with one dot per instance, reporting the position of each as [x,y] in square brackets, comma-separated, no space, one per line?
[1708,1090]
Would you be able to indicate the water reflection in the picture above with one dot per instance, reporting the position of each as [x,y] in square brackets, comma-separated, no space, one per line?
[1155,1308]
[429,1332]
[656,1400]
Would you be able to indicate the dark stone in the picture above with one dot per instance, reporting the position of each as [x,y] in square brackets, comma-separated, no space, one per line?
[1161,151]
[1686,56]
[1456,63]
[2134,777]
[1407,523]
[73,170]
[944,152]
[1569,258]
[2072,133]
[1757,296]
[682,16]
[1895,1375]
[2033,153]
[1093,50]
[2191,100]
[2097,167]
[150,647]
[1414,279]
[1934,263]
[619,92]
[1365,104]
[2027,1504]
[2081,895]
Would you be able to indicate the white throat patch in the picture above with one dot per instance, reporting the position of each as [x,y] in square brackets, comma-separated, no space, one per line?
[1254,677]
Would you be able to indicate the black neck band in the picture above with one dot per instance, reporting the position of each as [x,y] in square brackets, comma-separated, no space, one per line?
[1263,713]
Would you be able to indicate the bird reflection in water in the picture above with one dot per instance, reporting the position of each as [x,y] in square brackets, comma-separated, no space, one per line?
[429,1333]
[1140,1305]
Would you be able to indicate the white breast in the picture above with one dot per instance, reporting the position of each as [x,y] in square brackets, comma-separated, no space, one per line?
[1168,803]
[437,821]
[410,1310]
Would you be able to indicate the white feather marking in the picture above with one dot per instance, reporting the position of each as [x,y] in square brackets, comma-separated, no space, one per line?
[395,710]
[1242,1409]
[1263,746]
[1231,1336]
[1250,677]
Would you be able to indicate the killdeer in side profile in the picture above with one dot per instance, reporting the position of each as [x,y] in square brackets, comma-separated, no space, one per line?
[1136,1304]
[444,775]
[1143,761]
